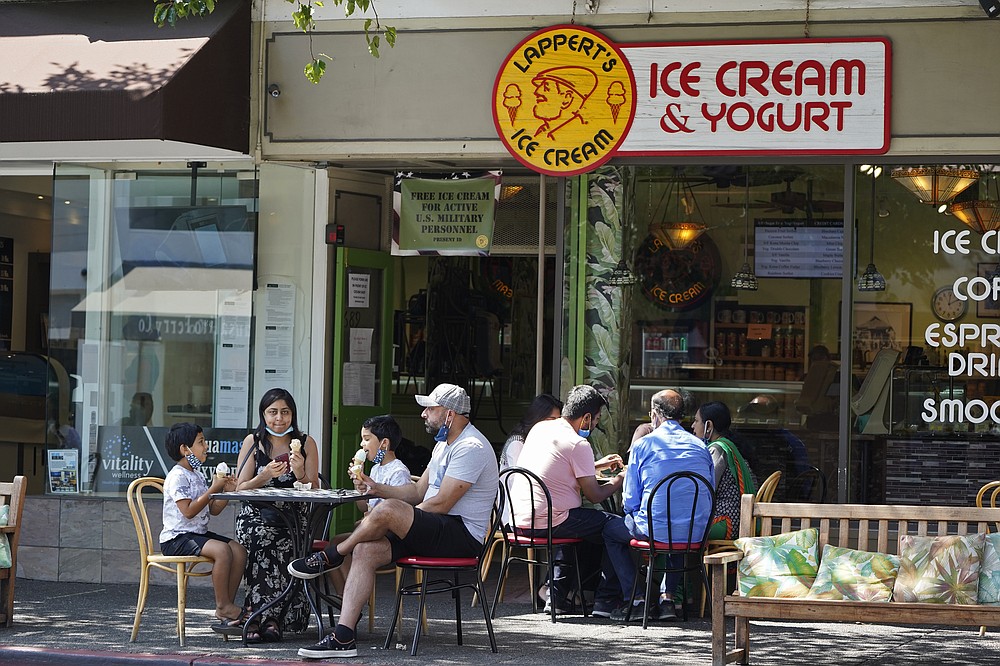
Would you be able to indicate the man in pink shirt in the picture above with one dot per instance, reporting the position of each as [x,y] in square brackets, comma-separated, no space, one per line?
[559,453]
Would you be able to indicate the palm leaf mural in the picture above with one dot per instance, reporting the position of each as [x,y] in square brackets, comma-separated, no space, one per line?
[608,315]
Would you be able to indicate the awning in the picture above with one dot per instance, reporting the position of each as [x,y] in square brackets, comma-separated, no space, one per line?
[100,70]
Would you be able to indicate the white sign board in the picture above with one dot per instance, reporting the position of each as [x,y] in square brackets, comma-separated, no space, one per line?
[750,98]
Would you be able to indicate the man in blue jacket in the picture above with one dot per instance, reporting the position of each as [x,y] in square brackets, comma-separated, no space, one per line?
[669,448]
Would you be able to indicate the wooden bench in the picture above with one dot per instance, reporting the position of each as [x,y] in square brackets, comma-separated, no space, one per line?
[12,494]
[858,526]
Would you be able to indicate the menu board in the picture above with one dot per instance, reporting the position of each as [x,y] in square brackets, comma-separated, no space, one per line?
[797,248]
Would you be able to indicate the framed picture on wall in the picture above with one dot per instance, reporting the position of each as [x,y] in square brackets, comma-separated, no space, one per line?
[879,326]
[989,307]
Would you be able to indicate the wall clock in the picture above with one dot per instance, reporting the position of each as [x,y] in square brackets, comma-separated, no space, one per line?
[946,305]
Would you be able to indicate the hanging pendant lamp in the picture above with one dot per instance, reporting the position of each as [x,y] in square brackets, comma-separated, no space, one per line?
[745,277]
[871,279]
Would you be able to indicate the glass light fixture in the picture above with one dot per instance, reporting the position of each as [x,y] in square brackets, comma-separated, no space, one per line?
[621,276]
[871,279]
[935,185]
[679,232]
[981,214]
[745,277]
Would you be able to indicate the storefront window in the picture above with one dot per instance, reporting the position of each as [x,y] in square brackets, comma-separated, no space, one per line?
[923,348]
[150,313]
[684,233]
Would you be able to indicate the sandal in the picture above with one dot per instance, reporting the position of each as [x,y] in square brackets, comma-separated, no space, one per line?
[231,627]
[253,634]
[270,632]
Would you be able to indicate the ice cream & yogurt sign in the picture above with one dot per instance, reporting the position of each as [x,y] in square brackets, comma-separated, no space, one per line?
[567,99]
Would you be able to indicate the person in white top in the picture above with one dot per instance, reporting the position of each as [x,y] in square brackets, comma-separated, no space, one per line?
[187,503]
[445,514]
[380,435]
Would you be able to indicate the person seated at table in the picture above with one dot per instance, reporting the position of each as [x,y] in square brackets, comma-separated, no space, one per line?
[444,514]
[266,460]
[380,435]
[187,503]
[733,477]
[559,453]
[669,448]
[545,407]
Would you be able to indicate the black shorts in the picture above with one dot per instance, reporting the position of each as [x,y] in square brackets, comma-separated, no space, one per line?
[190,543]
[435,535]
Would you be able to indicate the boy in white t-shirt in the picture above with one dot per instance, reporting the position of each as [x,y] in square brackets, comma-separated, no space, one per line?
[187,503]
[379,437]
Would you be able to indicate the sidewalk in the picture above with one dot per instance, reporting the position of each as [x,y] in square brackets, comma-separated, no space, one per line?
[78,623]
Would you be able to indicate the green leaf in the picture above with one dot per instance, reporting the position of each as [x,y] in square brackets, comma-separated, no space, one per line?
[390,37]
[314,70]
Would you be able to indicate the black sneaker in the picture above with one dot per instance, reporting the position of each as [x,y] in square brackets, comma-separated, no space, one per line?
[637,612]
[604,608]
[330,648]
[314,565]
[663,611]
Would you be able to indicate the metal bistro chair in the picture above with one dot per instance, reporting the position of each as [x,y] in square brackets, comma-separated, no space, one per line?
[424,567]
[515,481]
[688,544]
[181,565]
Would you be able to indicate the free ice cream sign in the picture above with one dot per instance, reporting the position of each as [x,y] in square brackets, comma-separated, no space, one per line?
[787,97]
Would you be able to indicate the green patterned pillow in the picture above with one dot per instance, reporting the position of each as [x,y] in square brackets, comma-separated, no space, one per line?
[942,570]
[989,572]
[854,575]
[783,565]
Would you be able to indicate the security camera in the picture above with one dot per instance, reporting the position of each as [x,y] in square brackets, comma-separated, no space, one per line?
[273,90]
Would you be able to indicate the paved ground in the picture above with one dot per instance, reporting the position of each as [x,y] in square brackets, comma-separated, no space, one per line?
[90,624]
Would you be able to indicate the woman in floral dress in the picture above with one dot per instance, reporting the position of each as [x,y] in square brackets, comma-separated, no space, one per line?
[267,460]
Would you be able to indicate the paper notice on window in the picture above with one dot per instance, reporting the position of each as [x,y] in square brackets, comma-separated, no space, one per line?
[279,304]
[358,387]
[358,288]
[64,468]
[361,345]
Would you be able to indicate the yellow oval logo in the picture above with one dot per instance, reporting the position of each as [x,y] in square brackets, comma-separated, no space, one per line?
[563,100]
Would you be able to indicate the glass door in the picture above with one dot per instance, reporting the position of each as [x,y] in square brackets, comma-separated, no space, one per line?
[362,354]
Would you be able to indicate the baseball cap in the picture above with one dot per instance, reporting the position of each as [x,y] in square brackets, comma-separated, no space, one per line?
[448,396]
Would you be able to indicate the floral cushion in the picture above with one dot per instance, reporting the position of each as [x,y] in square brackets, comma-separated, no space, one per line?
[778,566]
[854,575]
[943,569]
[989,572]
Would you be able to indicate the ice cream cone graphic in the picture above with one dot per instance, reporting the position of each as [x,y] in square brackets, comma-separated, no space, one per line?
[615,99]
[512,100]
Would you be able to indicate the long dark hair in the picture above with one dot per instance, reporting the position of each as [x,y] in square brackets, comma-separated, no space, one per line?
[539,410]
[260,435]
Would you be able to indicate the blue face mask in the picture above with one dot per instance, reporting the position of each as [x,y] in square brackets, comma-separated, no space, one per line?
[442,433]
[583,433]
[193,461]
[379,457]
[278,434]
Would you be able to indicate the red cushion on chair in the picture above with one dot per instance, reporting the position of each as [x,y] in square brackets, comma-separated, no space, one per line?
[644,545]
[519,540]
[418,561]
[319,544]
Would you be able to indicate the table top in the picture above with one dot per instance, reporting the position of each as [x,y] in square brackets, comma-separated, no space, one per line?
[323,496]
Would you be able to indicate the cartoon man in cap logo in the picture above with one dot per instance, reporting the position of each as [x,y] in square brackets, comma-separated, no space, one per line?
[563,100]
[560,93]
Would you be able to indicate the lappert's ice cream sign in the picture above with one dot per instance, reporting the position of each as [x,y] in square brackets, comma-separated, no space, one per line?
[567,99]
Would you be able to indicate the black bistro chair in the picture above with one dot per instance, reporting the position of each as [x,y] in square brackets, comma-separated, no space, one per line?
[425,567]
[676,551]
[514,482]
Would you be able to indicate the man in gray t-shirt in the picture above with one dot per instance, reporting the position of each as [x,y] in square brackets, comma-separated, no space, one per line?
[444,514]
